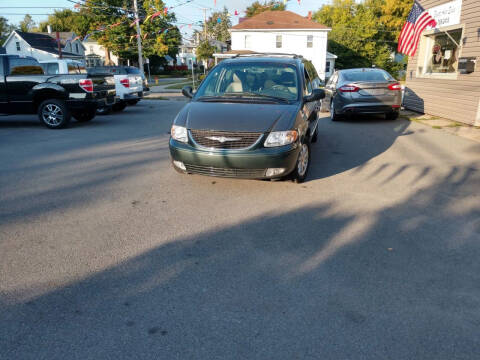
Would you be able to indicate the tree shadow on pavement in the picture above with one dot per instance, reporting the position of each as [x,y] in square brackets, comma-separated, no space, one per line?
[344,145]
[399,281]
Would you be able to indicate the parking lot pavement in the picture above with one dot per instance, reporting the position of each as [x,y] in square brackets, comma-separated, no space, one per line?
[107,253]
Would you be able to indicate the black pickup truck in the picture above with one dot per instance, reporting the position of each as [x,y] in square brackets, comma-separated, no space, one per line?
[25,89]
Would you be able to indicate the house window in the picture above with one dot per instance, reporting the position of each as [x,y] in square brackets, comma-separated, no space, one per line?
[327,67]
[17,43]
[76,48]
[248,41]
[278,41]
[91,48]
[439,52]
[310,41]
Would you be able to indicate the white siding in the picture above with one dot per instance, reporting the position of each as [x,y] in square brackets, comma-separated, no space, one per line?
[93,47]
[26,49]
[294,42]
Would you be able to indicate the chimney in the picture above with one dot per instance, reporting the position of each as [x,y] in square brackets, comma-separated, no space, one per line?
[49,29]
[309,15]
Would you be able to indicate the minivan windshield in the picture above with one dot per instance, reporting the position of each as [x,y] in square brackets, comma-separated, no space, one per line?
[262,80]
[366,75]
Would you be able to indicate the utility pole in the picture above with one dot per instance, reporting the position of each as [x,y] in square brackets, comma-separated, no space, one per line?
[205,23]
[205,32]
[139,37]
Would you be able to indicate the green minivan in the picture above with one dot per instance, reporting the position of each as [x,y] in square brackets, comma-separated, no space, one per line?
[252,117]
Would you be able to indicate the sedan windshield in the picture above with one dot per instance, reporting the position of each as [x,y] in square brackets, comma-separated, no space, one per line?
[265,81]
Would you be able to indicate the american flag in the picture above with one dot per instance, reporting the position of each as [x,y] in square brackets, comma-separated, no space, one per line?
[418,19]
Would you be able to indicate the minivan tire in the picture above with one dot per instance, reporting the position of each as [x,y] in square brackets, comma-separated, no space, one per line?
[300,172]
[315,135]
[49,112]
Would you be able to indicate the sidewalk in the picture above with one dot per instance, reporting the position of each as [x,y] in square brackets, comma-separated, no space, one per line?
[177,96]
[453,127]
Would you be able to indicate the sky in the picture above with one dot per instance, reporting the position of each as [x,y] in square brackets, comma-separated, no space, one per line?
[188,13]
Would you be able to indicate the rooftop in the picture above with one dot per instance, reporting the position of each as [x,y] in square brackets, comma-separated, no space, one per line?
[278,20]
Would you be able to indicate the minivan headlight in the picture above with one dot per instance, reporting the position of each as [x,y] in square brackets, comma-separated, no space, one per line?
[280,138]
[179,133]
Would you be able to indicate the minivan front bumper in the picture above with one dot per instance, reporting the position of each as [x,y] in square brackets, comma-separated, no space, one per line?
[247,164]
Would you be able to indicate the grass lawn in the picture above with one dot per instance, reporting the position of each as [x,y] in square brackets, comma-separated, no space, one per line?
[161,83]
[178,86]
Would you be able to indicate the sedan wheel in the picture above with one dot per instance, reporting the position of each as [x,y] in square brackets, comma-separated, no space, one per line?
[333,114]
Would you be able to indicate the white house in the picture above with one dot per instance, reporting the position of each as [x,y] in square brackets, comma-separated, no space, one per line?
[97,55]
[284,32]
[43,46]
[186,54]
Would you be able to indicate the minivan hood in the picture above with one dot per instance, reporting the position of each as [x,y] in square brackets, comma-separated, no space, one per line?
[237,116]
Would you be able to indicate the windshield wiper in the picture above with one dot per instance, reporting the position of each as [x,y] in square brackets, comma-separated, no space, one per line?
[210,98]
[255,94]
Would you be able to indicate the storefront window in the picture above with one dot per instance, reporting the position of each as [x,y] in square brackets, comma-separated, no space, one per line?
[442,52]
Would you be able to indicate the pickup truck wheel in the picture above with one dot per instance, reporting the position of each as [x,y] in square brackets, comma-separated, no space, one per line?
[104,110]
[54,113]
[119,106]
[132,102]
[84,116]
[303,163]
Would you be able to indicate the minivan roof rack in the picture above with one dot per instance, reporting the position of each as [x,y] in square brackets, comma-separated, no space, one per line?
[294,56]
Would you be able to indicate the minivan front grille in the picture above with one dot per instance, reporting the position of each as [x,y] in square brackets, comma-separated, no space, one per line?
[224,139]
[225,172]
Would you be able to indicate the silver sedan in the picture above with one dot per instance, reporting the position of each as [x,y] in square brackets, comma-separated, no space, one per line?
[362,91]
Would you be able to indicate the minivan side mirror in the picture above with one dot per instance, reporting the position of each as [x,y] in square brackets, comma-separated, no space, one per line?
[317,94]
[187,91]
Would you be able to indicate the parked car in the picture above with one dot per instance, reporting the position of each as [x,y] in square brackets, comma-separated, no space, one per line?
[63,66]
[252,117]
[362,91]
[26,89]
[128,85]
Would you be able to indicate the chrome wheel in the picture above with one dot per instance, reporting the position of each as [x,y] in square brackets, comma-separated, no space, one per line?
[303,159]
[52,114]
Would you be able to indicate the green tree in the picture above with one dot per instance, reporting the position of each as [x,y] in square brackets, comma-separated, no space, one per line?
[363,34]
[205,50]
[216,29]
[113,23]
[257,7]
[27,24]
[68,20]
[5,29]
[162,38]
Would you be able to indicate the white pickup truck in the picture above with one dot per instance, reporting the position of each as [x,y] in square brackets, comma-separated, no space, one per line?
[128,84]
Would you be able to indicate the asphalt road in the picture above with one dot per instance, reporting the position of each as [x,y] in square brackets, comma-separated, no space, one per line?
[107,253]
